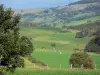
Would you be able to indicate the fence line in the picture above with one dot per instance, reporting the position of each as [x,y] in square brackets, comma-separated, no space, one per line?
[60,67]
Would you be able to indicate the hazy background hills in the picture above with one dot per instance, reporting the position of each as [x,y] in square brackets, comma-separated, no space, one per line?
[61,15]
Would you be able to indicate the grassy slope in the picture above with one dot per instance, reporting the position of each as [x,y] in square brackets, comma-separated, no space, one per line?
[75,23]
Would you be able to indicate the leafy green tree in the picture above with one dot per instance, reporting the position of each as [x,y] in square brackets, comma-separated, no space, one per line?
[11,45]
[26,46]
[80,58]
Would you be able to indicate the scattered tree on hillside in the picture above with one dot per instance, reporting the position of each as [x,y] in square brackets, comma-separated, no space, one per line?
[79,35]
[53,47]
[12,47]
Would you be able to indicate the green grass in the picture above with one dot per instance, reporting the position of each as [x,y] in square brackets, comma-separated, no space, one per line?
[54,59]
[75,23]
[79,22]
[96,60]
[65,42]
[56,72]
[44,38]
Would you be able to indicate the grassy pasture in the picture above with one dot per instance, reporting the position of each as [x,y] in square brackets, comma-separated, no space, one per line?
[75,23]
[44,38]
[56,72]
[65,43]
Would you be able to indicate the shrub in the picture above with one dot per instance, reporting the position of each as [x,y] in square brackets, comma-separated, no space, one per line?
[81,58]
[79,35]
[90,64]
[30,58]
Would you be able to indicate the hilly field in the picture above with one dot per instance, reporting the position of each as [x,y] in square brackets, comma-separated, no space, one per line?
[58,62]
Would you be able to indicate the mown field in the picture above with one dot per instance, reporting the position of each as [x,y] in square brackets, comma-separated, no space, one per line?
[65,45]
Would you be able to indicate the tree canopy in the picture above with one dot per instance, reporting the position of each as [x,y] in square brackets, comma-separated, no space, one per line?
[81,59]
[12,46]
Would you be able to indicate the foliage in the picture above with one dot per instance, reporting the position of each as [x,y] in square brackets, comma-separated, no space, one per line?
[90,64]
[11,45]
[80,58]
[26,46]
[93,45]
[53,45]
[33,60]
[79,35]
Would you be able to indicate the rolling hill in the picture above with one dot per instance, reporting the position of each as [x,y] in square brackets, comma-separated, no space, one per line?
[61,15]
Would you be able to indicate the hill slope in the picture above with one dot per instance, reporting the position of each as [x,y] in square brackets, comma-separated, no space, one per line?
[61,15]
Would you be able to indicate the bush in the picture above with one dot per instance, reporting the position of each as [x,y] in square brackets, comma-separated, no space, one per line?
[79,35]
[1,73]
[30,58]
[93,45]
[80,58]
[90,64]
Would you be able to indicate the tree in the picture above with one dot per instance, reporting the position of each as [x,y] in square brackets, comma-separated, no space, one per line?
[79,35]
[93,45]
[11,45]
[80,58]
[53,46]
[26,46]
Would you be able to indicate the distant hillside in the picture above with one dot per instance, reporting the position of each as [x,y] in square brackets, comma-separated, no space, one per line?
[61,15]
[31,10]
[88,25]
[84,2]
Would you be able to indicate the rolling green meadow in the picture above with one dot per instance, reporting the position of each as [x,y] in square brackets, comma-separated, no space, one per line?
[58,63]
